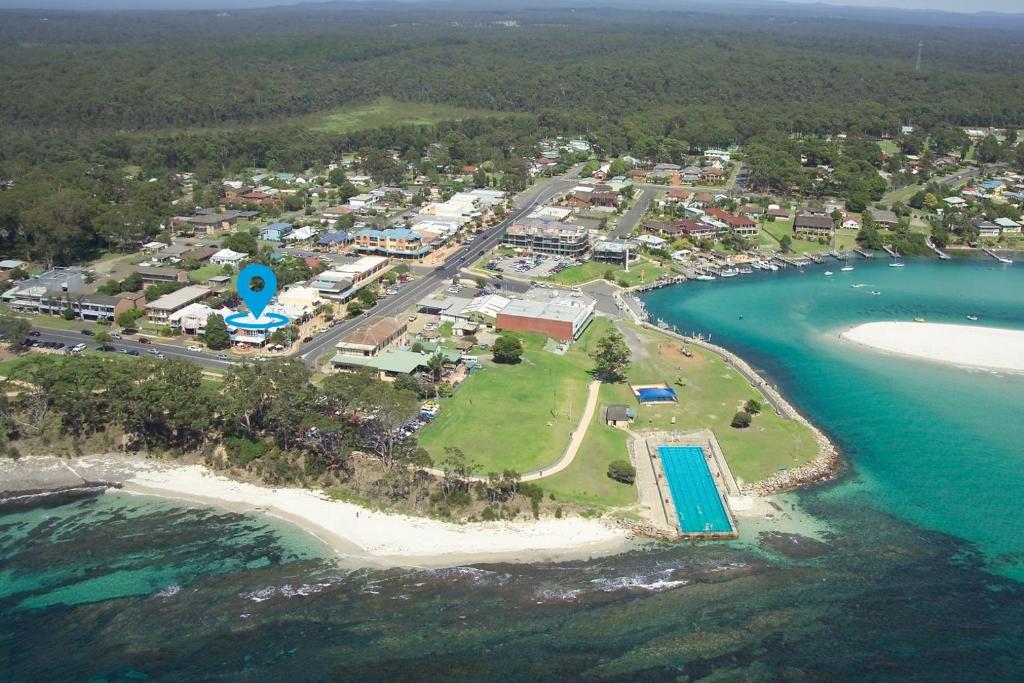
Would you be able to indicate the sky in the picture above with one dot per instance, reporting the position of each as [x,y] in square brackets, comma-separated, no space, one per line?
[1012,6]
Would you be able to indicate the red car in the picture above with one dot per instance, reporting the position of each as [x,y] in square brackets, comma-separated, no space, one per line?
[34,333]
[143,340]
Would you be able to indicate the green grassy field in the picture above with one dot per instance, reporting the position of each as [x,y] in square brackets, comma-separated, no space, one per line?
[639,273]
[387,112]
[203,274]
[710,393]
[889,147]
[772,232]
[517,416]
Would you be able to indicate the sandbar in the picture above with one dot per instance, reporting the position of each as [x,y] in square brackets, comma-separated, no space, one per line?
[972,346]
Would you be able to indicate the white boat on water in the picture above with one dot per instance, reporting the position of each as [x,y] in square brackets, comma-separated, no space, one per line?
[896,264]
[746,270]
[704,278]
[828,273]
[846,265]
[729,272]
[972,317]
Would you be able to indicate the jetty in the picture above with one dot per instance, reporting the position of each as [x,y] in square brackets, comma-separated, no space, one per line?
[890,251]
[997,257]
[815,258]
[863,254]
[938,252]
[796,262]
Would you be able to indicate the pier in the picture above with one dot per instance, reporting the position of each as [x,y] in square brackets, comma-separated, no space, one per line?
[863,254]
[890,251]
[997,257]
[796,262]
[938,252]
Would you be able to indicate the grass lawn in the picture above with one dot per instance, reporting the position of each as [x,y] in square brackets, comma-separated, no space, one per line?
[889,147]
[517,416]
[639,273]
[387,112]
[203,274]
[903,194]
[772,232]
[586,480]
[709,394]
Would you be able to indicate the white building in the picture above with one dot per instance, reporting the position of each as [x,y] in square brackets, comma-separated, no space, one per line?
[227,257]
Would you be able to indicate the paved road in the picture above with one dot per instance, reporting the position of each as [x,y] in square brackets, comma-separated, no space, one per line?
[207,359]
[628,222]
[323,344]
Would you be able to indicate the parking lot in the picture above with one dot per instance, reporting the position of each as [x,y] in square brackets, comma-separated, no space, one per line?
[529,266]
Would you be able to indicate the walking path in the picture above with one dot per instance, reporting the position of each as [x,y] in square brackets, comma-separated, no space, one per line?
[570,453]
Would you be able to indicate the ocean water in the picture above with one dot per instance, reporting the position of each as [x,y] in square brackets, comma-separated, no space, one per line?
[915,580]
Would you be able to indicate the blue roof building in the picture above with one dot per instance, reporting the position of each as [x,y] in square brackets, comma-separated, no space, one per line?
[276,232]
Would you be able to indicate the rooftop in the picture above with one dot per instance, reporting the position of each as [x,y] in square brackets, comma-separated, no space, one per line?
[179,298]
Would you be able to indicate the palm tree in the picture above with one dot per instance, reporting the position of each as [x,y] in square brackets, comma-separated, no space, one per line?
[436,364]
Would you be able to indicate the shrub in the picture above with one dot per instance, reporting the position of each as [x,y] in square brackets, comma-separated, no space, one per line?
[622,471]
[752,407]
[741,420]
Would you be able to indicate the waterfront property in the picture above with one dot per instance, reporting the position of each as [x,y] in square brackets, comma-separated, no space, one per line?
[699,505]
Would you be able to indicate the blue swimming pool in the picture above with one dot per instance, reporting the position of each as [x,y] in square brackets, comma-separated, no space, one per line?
[698,505]
[655,394]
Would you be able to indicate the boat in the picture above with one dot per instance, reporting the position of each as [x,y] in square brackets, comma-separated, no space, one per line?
[896,264]
[729,272]
[846,265]
[858,285]
[828,273]
[746,270]
[972,317]
[875,292]
[919,319]
[704,278]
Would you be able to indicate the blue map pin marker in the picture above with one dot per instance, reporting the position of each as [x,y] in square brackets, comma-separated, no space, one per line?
[256,301]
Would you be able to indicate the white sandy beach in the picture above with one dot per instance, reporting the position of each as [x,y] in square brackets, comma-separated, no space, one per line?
[355,532]
[964,345]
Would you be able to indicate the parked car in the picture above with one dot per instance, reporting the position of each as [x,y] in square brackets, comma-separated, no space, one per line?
[88,333]
[222,356]
[34,333]
[129,330]
[144,341]
[115,335]
[413,317]
[78,348]
[306,340]
[193,347]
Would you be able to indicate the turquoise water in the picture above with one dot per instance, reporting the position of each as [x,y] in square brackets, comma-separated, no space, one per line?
[914,579]
[696,499]
[938,445]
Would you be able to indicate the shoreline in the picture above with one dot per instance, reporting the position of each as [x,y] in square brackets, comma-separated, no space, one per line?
[825,467]
[356,535]
[965,346]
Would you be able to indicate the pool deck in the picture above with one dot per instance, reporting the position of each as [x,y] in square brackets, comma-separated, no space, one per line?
[645,448]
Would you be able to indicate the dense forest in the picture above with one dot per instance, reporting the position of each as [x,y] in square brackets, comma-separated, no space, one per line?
[171,90]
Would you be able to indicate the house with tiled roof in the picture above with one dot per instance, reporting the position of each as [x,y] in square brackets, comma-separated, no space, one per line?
[373,337]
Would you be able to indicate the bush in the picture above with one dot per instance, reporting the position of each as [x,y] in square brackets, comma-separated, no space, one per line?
[752,407]
[622,471]
[741,420]
[68,314]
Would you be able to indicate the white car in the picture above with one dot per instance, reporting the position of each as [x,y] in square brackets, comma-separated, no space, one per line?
[195,348]
[155,352]
[78,348]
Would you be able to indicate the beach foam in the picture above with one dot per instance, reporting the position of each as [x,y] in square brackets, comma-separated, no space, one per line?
[964,345]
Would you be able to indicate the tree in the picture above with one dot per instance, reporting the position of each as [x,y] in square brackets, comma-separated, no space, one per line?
[786,244]
[611,356]
[128,318]
[507,349]
[752,406]
[741,420]
[14,329]
[367,297]
[435,364]
[216,333]
[102,337]
[242,241]
[622,471]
